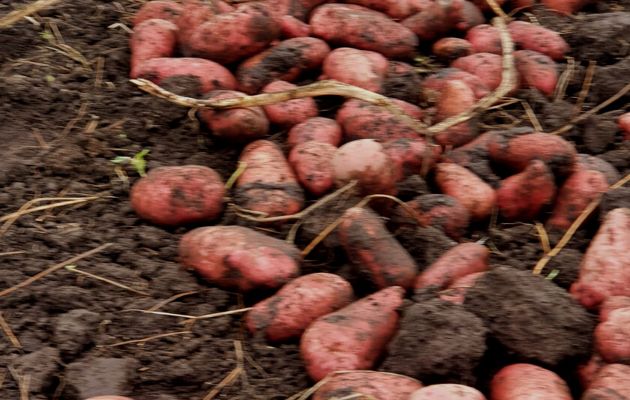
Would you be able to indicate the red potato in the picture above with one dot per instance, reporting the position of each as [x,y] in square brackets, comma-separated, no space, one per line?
[362,120]
[235,124]
[488,67]
[433,85]
[291,27]
[536,70]
[312,163]
[353,337]
[355,26]
[178,195]
[167,10]
[528,382]
[233,36]
[365,161]
[295,8]
[469,152]
[378,385]
[534,37]
[235,257]
[286,314]
[612,382]
[605,268]
[211,75]
[450,391]
[612,337]
[268,184]
[456,292]
[485,38]
[588,371]
[431,22]
[285,61]
[292,112]
[624,125]
[409,155]
[365,69]
[450,48]
[318,129]
[611,304]
[592,163]
[154,38]
[565,6]
[396,9]
[194,14]
[371,247]
[457,97]
[437,210]
[522,4]
[574,196]
[523,196]
[457,262]
[472,192]
[465,15]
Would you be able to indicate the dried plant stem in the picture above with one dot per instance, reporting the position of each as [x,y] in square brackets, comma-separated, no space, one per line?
[14,16]
[73,268]
[6,328]
[148,338]
[586,86]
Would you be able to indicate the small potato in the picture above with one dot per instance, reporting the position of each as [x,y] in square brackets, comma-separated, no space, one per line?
[612,382]
[472,192]
[235,124]
[456,292]
[362,28]
[158,9]
[624,125]
[465,15]
[536,70]
[318,129]
[612,337]
[353,337]
[450,48]
[450,391]
[297,304]
[538,38]
[430,23]
[436,210]
[409,155]
[457,97]
[488,67]
[527,381]
[396,9]
[592,163]
[153,38]
[485,38]
[611,304]
[362,120]
[235,257]
[371,247]
[433,85]
[284,61]
[457,262]
[178,195]
[312,163]
[365,69]
[291,27]
[378,385]
[211,75]
[292,112]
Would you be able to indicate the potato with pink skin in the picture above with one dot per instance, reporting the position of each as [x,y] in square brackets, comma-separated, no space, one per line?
[362,120]
[528,381]
[378,385]
[605,268]
[235,257]
[318,129]
[450,391]
[457,262]
[212,76]
[433,85]
[194,14]
[487,67]
[396,9]
[456,292]
[611,304]
[154,38]
[536,70]
[409,155]
[291,27]
[592,163]
[587,371]
[612,382]
[457,97]
[472,192]
[292,112]
[465,15]
[362,68]
[612,337]
[158,9]
[286,314]
[450,48]
[430,22]
[371,247]
[353,337]
[178,195]
[534,37]
[312,163]
[437,210]
[485,38]
[624,125]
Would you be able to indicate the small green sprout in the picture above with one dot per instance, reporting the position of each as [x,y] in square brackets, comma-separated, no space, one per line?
[137,161]
[552,274]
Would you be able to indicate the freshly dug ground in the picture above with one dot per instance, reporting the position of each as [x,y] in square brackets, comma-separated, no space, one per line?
[67,110]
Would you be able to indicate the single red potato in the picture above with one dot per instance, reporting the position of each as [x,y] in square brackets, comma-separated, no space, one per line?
[362,68]
[470,190]
[624,125]
[457,97]
[612,337]
[457,262]
[450,48]
[612,382]
[523,196]
[434,84]
[611,304]
[527,381]
[371,247]
[465,15]
[292,112]
[450,391]
[536,70]
[565,6]
[353,337]
[378,385]
[487,66]
[298,9]
[538,38]
[211,75]
[235,257]
[235,124]
[397,9]
[297,304]
[430,22]
[605,268]
[362,120]
[484,38]
[437,210]
[157,9]
[592,163]
[312,163]
[318,129]
[588,371]
[194,14]
[178,195]
[291,27]
[359,27]
[456,292]
[153,38]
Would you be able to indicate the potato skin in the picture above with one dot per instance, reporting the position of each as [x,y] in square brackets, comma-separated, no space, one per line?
[612,337]
[235,257]
[612,382]
[235,124]
[592,163]
[456,98]
[611,304]
[153,38]
[605,268]
[396,9]
[291,27]
[457,262]
[312,163]
[437,210]
[451,48]
[451,391]
[292,112]
[194,14]
[624,125]
[268,184]
[359,27]
[430,22]
[297,304]
[371,247]
[402,82]
[212,76]
[285,61]
[408,155]
[353,337]
[527,381]
[433,85]
[472,192]
[538,38]
[362,120]
[318,129]
[379,385]
[456,292]
[485,38]
[588,371]
[536,70]
[486,66]
[158,9]
[362,68]
[178,195]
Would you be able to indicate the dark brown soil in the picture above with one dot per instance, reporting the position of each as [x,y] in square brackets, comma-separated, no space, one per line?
[67,110]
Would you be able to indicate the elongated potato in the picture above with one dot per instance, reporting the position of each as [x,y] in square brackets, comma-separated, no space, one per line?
[451,48]
[235,257]
[297,304]
[268,184]
[612,337]
[433,85]
[457,97]
[536,70]
[538,38]
[353,337]
[408,155]
[430,22]
[450,391]
[486,66]
[374,250]
[318,129]
[472,192]
[379,385]
[612,382]
[154,38]
[312,163]
[158,9]
[362,120]
[292,112]
[437,210]
[485,38]
[459,261]
[527,381]
[362,68]
[397,9]
[194,14]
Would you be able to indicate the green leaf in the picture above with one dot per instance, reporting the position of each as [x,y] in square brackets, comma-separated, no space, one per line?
[139,163]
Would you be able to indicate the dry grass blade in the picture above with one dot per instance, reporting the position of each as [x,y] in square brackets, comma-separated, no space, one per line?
[73,268]
[242,166]
[23,382]
[232,376]
[14,16]
[191,317]
[586,87]
[12,253]
[532,116]
[147,339]
[544,238]
[6,328]
[565,78]
[171,299]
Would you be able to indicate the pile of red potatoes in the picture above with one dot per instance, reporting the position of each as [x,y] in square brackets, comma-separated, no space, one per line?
[256,47]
